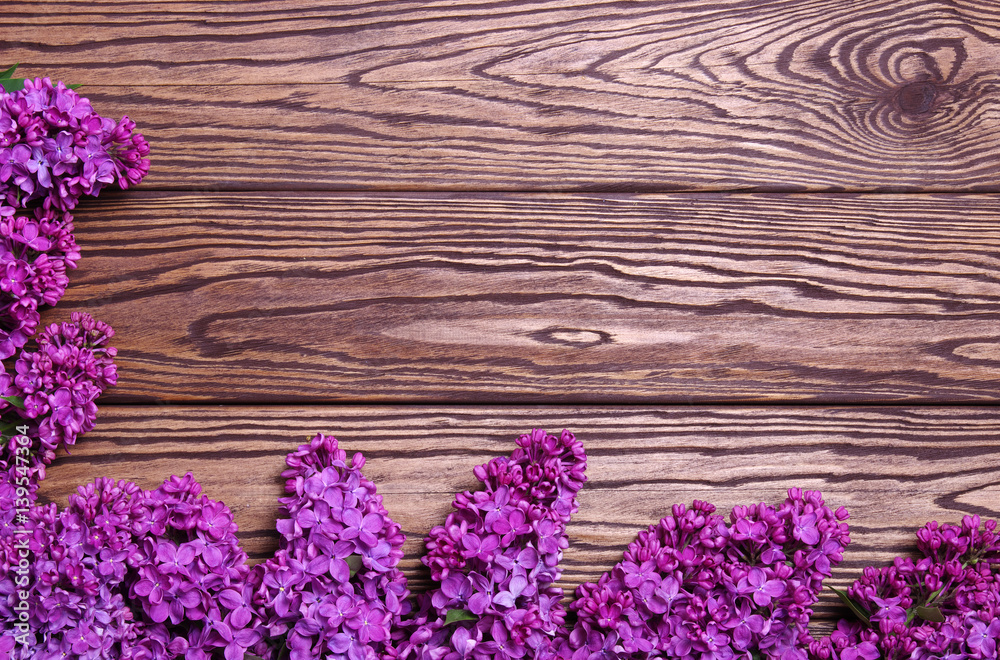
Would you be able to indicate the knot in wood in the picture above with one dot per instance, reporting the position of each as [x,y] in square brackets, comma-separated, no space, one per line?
[916,98]
[575,337]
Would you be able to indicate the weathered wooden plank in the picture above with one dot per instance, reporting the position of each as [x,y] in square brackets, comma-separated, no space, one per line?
[555,133]
[556,95]
[535,298]
[226,42]
[893,468]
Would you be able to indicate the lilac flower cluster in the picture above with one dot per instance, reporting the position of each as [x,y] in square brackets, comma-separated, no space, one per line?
[36,249]
[695,587]
[127,573]
[58,384]
[945,605]
[54,148]
[496,558]
[190,579]
[333,589]
[78,609]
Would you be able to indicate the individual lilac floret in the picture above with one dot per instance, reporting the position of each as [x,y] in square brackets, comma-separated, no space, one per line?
[945,605]
[54,148]
[59,383]
[333,589]
[127,573]
[694,586]
[496,558]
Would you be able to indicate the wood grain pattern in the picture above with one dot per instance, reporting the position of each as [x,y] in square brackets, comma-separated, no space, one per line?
[893,468]
[356,203]
[500,298]
[533,95]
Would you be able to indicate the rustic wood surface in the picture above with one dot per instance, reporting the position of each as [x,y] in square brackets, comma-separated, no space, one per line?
[893,468]
[557,95]
[384,205]
[517,298]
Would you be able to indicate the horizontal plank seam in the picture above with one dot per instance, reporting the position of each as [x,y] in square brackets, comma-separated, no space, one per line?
[212,190]
[559,404]
[611,189]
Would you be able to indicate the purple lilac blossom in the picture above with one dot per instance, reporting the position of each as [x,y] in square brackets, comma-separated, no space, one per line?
[72,359]
[59,382]
[958,578]
[36,249]
[190,579]
[127,573]
[496,558]
[695,587]
[54,148]
[333,589]
[79,560]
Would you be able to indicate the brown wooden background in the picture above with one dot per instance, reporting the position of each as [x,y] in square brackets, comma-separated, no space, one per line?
[735,246]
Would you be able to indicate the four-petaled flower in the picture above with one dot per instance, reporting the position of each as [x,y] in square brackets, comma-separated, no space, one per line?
[760,588]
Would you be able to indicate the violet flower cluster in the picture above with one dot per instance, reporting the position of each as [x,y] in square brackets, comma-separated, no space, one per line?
[496,558]
[333,589]
[127,573]
[57,385]
[54,148]
[190,579]
[36,249]
[944,605]
[695,587]
[78,564]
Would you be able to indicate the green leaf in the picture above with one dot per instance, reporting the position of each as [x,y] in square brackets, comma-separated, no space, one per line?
[459,615]
[15,401]
[76,86]
[9,72]
[354,561]
[12,84]
[931,614]
[854,606]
